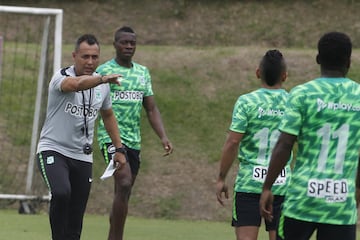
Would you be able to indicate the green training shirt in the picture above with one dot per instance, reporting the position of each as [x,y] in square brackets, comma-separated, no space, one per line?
[324,114]
[127,101]
[257,115]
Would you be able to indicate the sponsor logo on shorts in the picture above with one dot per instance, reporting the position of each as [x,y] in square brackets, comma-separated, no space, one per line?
[111,149]
[50,160]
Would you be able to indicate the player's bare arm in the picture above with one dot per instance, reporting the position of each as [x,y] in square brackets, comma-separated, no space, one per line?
[229,153]
[78,83]
[155,120]
[280,155]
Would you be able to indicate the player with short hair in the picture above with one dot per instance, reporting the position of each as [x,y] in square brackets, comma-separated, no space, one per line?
[323,116]
[128,99]
[76,96]
[255,119]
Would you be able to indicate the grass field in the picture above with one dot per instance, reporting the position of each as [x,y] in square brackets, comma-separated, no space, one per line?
[36,227]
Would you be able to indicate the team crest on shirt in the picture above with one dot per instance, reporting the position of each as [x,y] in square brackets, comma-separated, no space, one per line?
[97,94]
[141,80]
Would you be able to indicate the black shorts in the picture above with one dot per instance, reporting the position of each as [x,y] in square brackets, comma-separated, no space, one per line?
[246,211]
[293,229]
[133,156]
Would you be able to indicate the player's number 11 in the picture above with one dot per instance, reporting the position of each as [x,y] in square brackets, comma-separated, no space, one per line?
[266,146]
[327,135]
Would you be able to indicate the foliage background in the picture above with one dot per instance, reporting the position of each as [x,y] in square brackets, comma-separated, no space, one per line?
[276,23]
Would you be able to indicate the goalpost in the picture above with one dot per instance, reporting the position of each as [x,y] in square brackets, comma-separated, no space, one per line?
[30,52]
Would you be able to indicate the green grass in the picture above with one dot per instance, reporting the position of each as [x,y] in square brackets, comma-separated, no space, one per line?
[36,227]
[276,23]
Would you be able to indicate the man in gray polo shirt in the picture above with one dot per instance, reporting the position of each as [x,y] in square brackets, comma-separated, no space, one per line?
[76,95]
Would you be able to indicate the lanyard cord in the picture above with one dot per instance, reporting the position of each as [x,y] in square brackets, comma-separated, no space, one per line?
[86,130]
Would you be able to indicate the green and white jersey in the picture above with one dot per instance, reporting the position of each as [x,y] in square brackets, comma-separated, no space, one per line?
[257,115]
[324,114]
[127,101]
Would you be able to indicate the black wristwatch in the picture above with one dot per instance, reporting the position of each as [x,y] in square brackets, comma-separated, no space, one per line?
[121,150]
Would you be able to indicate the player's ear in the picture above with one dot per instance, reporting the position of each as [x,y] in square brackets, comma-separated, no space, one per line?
[258,73]
[348,63]
[318,59]
[284,76]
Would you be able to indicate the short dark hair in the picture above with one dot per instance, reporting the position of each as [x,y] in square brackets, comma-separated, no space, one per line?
[272,65]
[122,29]
[334,50]
[88,38]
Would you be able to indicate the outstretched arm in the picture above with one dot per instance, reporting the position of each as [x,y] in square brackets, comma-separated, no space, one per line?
[229,152]
[279,157]
[78,83]
[154,117]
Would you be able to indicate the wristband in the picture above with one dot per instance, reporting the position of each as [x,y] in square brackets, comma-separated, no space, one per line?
[121,150]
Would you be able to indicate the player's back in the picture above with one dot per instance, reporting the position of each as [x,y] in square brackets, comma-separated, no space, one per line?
[331,118]
[257,116]
[328,147]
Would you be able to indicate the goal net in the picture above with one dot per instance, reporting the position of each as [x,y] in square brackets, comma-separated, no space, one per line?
[30,51]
